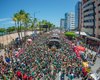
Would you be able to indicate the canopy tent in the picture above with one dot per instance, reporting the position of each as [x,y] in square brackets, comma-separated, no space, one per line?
[77,50]
[80,48]
[81,33]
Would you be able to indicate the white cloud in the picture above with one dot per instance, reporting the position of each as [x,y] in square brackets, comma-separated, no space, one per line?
[11,22]
[5,19]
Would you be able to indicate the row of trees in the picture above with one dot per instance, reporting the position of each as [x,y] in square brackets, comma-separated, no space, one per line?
[22,18]
[23,21]
[10,29]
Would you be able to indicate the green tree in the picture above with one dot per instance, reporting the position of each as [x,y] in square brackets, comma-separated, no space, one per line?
[20,18]
[34,23]
[2,30]
[11,29]
[70,35]
[39,25]
[16,18]
[50,25]
[26,21]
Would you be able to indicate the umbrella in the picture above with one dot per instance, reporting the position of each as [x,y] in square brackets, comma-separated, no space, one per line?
[7,59]
[77,53]
[29,40]
[80,48]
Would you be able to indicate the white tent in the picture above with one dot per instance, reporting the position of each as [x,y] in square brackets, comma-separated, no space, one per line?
[81,33]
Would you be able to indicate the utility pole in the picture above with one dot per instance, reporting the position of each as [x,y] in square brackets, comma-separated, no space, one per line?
[34,21]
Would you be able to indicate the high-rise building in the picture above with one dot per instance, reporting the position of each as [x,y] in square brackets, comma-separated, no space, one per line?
[69,21]
[78,15]
[62,23]
[97,17]
[91,17]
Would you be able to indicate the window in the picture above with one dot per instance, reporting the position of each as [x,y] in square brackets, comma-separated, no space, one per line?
[99,4]
[90,20]
[88,10]
[91,14]
[88,26]
[99,19]
[87,5]
[99,27]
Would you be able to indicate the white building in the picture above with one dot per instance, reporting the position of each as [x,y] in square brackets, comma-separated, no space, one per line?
[91,17]
[78,15]
[62,23]
[69,21]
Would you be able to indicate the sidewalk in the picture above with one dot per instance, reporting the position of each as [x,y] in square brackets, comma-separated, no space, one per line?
[96,65]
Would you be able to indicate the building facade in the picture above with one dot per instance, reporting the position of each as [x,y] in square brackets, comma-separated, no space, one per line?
[62,23]
[91,17]
[78,15]
[69,21]
[97,30]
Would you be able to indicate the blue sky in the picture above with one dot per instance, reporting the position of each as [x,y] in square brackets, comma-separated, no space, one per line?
[51,10]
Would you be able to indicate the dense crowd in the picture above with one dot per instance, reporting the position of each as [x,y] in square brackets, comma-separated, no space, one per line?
[38,62]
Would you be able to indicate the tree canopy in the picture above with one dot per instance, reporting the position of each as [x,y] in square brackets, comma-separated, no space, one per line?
[2,30]
[70,34]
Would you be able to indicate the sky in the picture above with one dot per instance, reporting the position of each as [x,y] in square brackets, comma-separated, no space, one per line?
[50,10]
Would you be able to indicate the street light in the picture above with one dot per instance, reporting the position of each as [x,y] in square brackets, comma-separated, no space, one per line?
[34,18]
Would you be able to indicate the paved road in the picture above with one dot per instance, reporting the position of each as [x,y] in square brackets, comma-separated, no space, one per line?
[96,65]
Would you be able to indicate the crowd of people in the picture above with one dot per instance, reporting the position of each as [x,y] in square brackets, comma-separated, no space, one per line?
[38,62]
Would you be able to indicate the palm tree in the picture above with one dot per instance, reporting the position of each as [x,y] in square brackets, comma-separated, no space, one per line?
[39,25]
[33,23]
[16,18]
[22,17]
[26,20]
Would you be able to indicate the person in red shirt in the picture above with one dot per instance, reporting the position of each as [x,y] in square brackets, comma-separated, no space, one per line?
[19,74]
[25,77]
[30,78]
